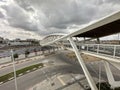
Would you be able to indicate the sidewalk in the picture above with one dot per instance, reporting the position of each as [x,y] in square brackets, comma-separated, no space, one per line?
[63,82]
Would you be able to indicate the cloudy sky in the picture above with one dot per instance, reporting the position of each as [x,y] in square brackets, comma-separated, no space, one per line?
[38,18]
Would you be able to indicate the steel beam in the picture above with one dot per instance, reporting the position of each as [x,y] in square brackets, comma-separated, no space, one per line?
[85,70]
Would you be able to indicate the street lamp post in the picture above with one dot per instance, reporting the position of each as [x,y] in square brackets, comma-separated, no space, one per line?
[13,60]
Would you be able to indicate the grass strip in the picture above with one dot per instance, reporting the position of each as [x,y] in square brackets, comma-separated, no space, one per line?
[8,76]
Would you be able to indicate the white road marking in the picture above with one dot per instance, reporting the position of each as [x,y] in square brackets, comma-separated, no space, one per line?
[59,78]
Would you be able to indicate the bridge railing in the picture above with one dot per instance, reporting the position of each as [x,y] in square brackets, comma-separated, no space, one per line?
[105,49]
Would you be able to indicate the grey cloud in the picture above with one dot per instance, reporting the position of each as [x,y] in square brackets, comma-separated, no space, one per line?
[1,15]
[25,4]
[51,16]
[18,18]
[52,31]
[112,1]
[2,0]
[64,14]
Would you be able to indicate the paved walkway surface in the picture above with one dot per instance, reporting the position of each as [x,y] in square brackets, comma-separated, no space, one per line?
[63,82]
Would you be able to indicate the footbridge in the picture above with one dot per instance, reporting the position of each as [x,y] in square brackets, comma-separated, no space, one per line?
[110,54]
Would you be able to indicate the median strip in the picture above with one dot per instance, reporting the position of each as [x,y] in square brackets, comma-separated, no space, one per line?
[10,76]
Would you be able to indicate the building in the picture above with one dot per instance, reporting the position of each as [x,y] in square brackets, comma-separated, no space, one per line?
[1,40]
[19,43]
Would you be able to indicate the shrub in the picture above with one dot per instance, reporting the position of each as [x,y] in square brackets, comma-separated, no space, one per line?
[27,53]
[15,55]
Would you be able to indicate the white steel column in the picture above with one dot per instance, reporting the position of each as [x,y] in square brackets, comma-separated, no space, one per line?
[85,70]
[108,71]
[114,52]
[98,46]
[98,40]
[87,47]
[100,74]
[110,77]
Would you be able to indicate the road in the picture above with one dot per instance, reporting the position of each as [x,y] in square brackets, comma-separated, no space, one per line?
[18,66]
[37,76]
[62,64]
[6,70]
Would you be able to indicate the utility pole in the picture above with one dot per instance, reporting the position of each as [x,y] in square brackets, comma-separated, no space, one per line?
[13,60]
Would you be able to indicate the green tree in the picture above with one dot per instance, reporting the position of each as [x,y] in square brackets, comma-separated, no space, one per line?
[35,51]
[26,53]
[15,56]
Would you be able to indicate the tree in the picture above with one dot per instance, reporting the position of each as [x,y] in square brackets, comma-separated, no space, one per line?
[15,56]
[26,53]
[35,51]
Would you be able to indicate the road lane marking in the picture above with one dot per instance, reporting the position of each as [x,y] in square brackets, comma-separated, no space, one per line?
[21,74]
[63,83]
[34,68]
[1,82]
[11,78]
[28,71]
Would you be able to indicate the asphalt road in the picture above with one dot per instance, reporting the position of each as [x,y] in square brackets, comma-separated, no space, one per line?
[8,69]
[62,65]
[32,78]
